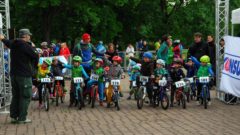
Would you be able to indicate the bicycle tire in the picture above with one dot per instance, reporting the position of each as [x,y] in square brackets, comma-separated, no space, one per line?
[140,99]
[116,101]
[183,99]
[46,97]
[80,100]
[165,96]
[57,95]
[94,97]
[205,97]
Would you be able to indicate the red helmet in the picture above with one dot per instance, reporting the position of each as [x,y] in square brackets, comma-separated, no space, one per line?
[118,59]
[86,36]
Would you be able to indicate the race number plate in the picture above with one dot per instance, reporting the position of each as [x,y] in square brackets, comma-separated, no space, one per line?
[143,78]
[78,80]
[134,83]
[45,80]
[94,77]
[58,78]
[180,84]
[162,82]
[115,82]
[204,79]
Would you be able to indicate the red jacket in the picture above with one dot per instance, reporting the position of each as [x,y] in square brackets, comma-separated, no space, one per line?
[64,52]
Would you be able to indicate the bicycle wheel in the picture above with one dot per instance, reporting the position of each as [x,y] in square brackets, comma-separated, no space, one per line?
[140,99]
[135,93]
[165,101]
[116,101]
[80,99]
[57,94]
[46,99]
[183,99]
[94,96]
[205,97]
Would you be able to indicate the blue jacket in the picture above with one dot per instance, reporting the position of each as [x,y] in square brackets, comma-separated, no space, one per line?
[134,76]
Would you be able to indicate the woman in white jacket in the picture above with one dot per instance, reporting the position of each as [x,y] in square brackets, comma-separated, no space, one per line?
[130,51]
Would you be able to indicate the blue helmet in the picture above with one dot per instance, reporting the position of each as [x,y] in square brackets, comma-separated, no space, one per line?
[148,55]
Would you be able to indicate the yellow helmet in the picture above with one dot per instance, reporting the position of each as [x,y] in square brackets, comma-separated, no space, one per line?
[205,59]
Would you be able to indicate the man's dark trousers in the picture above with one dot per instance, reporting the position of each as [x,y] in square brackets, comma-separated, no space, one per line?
[21,97]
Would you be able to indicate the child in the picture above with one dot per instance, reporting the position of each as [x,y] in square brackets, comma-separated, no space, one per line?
[98,70]
[191,72]
[176,74]
[45,49]
[191,68]
[130,66]
[147,69]
[177,49]
[43,72]
[204,70]
[134,74]
[77,71]
[160,71]
[56,70]
[115,72]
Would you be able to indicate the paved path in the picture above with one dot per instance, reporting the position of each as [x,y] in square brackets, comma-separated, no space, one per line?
[218,119]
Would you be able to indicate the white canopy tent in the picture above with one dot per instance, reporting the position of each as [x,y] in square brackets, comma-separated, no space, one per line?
[235,18]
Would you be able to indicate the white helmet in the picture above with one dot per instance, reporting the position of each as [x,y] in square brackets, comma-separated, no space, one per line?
[161,62]
[44,44]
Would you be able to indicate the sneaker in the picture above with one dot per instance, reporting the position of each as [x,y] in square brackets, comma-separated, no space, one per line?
[14,120]
[129,98]
[25,121]
[209,103]
[198,102]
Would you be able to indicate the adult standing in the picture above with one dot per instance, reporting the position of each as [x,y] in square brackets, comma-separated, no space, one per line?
[100,48]
[162,52]
[130,51]
[111,52]
[144,48]
[199,47]
[22,55]
[85,49]
[64,51]
[212,51]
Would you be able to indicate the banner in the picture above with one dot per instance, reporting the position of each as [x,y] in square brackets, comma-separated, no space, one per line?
[230,78]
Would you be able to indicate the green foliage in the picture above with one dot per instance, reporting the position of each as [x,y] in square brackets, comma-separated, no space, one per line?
[108,20]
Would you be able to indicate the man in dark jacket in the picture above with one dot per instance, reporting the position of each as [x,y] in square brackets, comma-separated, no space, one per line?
[212,51]
[199,47]
[22,57]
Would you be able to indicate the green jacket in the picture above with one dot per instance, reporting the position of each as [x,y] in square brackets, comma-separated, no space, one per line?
[170,55]
[161,71]
[162,52]
[100,72]
[203,71]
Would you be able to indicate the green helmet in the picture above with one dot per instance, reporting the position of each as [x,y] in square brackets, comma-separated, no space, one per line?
[136,67]
[77,59]
[48,62]
[205,59]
